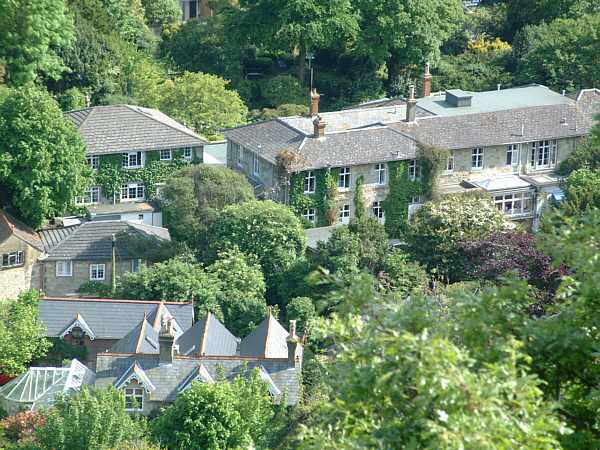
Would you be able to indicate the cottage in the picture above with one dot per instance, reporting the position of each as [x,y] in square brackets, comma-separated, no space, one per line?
[506,142]
[131,146]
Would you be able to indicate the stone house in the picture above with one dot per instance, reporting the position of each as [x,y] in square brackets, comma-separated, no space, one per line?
[153,366]
[99,324]
[131,150]
[505,142]
[78,254]
[20,248]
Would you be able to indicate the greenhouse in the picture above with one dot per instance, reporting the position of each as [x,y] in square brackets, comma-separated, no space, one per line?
[39,386]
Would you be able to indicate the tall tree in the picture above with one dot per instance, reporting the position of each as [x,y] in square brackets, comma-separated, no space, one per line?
[42,156]
[295,25]
[30,33]
[404,33]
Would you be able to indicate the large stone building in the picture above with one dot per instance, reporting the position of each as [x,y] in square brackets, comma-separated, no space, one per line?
[506,142]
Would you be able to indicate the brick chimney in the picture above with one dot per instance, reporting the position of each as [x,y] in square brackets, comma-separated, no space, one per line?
[426,82]
[319,127]
[411,106]
[314,102]
[293,345]
[165,343]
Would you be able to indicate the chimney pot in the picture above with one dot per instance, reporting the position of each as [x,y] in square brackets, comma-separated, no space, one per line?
[411,106]
[165,343]
[427,82]
[314,102]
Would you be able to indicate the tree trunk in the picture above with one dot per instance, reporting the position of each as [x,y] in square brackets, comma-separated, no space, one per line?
[301,64]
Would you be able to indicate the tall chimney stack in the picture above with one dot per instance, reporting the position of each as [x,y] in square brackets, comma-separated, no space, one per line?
[426,82]
[319,127]
[314,102]
[293,345]
[165,343]
[411,106]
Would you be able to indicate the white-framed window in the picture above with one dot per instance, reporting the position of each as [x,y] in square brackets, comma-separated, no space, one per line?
[132,191]
[512,154]
[255,164]
[344,180]
[414,170]
[134,399]
[514,204]
[377,209]
[188,153]
[97,272]
[136,265]
[238,153]
[310,215]
[12,259]
[344,216]
[380,173]
[166,154]
[133,160]
[477,158]
[416,200]
[543,154]
[94,161]
[90,197]
[64,268]
[449,164]
[309,182]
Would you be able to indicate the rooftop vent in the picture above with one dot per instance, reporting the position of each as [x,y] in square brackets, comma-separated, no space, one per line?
[458,98]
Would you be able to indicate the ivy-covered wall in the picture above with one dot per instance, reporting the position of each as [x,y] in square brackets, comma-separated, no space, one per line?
[401,190]
[111,173]
[324,198]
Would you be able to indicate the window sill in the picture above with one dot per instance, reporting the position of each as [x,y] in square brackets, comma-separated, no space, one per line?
[64,276]
[14,266]
[341,189]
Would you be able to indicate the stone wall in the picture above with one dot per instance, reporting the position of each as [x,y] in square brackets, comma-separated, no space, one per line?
[14,280]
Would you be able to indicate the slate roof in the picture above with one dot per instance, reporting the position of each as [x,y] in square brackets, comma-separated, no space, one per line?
[207,337]
[92,241]
[168,378]
[51,237]
[268,340]
[120,128]
[107,318]
[9,225]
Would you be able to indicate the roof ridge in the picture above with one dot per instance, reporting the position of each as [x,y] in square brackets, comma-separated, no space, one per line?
[190,133]
[112,300]
[204,334]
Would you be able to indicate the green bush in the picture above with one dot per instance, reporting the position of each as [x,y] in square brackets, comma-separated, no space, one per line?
[96,288]
[72,99]
[283,89]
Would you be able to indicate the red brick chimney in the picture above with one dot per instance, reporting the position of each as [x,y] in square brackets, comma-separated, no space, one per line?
[319,127]
[426,82]
[314,102]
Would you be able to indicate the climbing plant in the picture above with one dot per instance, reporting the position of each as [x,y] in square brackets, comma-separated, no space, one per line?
[323,200]
[111,173]
[431,160]
[359,199]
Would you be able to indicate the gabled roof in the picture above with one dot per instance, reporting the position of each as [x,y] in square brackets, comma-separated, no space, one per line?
[199,373]
[268,340]
[121,128]
[51,237]
[108,318]
[207,337]
[135,373]
[9,225]
[79,322]
[93,240]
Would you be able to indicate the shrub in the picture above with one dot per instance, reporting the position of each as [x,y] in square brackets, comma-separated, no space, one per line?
[302,310]
[283,89]
[21,426]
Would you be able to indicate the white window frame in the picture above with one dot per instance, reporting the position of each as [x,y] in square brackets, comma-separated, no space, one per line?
[12,259]
[187,150]
[344,214]
[477,158]
[128,187]
[64,268]
[514,150]
[310,181]
[136,265]
[255,164]
[381,174]
[90,197]
[96,270]
[94,161]
[165,154]
[513,203]
[549,146]
[377,210]
[239,154]
[449,164]
[134,395]
[345,178]
[137,156]
[310,214]
[414,170]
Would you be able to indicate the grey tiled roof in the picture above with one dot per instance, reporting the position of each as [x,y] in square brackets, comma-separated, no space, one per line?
[53,236]
[108,319]
[207,337]
[93,241]
[167,378]
[268,340]
[119,128]
[9,225]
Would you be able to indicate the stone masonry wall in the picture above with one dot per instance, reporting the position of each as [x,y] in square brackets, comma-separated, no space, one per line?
[15,280]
